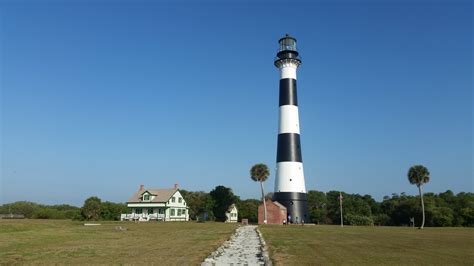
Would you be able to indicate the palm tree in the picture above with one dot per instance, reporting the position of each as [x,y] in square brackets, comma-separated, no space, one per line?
[419,175]
[260,173]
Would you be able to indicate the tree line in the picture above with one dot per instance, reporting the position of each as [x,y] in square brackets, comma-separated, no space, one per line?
[100,210]
[443,209]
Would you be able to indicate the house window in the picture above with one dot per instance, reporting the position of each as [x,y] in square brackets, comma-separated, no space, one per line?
[161,211]
[138,210]
[173,199]
[172,212]
[179,212]
[184,212]
[146,197]
[180,200]
[150,211]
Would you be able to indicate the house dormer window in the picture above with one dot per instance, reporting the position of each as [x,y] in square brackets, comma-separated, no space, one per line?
[146,197]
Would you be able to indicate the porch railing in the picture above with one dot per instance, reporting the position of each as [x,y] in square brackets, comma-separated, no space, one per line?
[141,217]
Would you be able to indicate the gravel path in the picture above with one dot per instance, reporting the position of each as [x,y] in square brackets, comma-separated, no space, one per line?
[243,248]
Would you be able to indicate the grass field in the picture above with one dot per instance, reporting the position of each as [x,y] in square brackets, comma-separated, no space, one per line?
[175,243]
[69,242]
[333,245]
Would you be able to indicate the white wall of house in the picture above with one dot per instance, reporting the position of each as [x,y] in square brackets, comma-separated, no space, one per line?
[178,210]
[232,216]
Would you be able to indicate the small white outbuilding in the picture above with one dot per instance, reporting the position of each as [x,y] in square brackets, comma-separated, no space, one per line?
[232,214]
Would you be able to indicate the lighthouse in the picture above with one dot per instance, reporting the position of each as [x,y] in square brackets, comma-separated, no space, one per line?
[290,189]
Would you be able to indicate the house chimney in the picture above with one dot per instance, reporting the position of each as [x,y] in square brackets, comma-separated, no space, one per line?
[142,187]
[175,186]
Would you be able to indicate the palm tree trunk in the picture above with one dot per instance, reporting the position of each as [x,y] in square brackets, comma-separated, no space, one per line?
[264,204]
[422,207]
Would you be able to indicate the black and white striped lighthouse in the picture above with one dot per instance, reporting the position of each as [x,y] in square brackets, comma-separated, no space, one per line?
[290,189]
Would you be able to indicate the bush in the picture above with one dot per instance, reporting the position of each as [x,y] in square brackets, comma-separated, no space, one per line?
[381,219]
[48,213]
[92,209]
[353,219]
[111,211]
[442,216]
[20,207]
[72,214]
[248,209]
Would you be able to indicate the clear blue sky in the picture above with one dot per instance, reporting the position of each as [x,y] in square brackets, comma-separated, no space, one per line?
[98,97]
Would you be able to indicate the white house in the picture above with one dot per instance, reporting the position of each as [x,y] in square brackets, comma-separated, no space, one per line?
[157,204]
[231,214]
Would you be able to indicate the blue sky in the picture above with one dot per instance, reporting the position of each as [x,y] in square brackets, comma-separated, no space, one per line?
[98,97]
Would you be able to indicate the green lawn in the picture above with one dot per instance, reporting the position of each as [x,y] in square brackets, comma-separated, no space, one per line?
[176,243]
[66,242]
[333,245]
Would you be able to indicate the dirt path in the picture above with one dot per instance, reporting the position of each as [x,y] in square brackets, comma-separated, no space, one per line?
[244,248]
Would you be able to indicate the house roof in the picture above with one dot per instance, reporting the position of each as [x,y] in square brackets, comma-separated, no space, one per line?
[231,207]
[279,205]
[161,195]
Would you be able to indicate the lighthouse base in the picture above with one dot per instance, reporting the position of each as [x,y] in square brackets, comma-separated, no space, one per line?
[296,204]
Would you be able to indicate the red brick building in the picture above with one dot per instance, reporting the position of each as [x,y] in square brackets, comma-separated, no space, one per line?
[276,213]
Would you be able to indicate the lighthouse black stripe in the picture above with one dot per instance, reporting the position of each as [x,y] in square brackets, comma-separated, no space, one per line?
[288,92]
[289,148]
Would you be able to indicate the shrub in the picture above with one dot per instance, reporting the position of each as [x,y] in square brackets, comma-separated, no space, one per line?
[48,213]
[381,219]
[353,219]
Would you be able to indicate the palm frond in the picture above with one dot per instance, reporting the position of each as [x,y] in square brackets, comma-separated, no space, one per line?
[418,175]
[259,172]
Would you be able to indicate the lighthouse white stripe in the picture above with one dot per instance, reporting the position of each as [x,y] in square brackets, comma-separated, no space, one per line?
[289,120]
[288,71]
[290,177]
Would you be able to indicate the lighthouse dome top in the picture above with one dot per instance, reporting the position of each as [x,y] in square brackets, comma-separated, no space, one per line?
[287,43]
[287,52]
